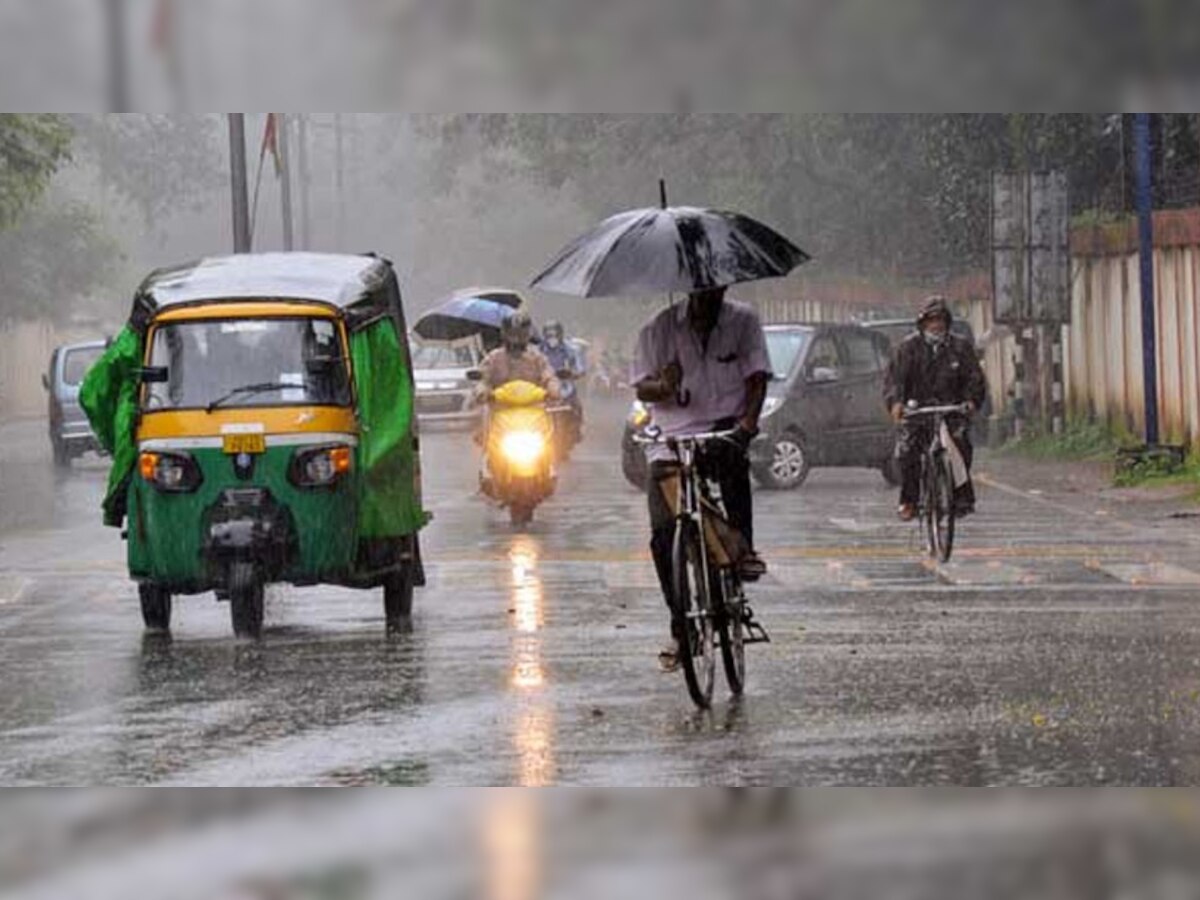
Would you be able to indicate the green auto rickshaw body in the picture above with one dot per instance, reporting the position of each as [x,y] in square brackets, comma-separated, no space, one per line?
[259,410]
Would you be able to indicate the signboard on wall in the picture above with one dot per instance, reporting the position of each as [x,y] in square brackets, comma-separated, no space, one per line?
[1031,255]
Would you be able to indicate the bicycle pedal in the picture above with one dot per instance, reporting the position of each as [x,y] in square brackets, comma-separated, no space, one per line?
[756,634]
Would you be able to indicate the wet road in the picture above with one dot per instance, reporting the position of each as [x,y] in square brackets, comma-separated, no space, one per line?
[1059,648]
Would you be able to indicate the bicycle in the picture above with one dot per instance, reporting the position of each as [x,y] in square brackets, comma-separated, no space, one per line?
[710,605]
[936,511]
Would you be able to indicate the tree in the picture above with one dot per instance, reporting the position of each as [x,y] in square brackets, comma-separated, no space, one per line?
[32,147]
[58,254]
[159,163]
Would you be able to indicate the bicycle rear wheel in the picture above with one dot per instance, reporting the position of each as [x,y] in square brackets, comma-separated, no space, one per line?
[693,614]
[732,633]
[939,509]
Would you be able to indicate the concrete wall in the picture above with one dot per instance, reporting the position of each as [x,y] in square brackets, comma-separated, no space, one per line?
[25,349]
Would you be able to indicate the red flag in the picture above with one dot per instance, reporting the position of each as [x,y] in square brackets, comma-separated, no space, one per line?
[270,142]
[160,27]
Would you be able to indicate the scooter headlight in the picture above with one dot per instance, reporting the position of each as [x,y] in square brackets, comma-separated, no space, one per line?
[322,466]
[523,448]
[639,415]
[171,473]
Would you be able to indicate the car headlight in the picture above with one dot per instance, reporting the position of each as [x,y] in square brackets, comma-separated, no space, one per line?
[171,473]
[522,448]
[770,405]
[321,466]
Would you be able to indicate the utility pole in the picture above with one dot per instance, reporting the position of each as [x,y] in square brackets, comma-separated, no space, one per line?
[303,183]
[237,183]
[282,126]
[118,58]
[340,178]
[1143,165]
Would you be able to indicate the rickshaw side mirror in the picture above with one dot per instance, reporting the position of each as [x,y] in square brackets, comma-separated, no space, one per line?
[474,375]
[154,375]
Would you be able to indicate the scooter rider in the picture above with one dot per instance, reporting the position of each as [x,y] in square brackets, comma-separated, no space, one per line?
[563,358]
[515,360]
[518,360]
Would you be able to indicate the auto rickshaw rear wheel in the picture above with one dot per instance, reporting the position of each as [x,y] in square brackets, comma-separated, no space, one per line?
[156,607]
[398,598]
[245,600]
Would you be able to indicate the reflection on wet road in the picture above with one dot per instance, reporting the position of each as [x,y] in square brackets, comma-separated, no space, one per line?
[1058,648]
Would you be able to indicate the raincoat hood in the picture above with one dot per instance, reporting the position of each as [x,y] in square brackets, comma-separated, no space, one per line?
[934,308]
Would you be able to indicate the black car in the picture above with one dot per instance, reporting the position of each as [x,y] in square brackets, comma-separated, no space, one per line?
[824,407]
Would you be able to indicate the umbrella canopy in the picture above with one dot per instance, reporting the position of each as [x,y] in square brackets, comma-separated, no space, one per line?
[463,317]
[680,248]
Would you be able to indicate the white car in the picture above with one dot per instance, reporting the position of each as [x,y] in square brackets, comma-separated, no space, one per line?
[443,392]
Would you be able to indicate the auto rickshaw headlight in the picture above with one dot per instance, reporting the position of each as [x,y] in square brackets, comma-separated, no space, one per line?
[321,466]
[172,473]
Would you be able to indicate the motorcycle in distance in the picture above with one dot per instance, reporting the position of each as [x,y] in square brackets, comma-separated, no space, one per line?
[518,448]
[567,415]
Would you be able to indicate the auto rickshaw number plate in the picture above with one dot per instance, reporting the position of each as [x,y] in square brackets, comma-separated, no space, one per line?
[244,443]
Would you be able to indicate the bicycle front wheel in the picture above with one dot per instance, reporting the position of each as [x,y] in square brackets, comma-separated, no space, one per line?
[939,509]
[731,629]
[693,613]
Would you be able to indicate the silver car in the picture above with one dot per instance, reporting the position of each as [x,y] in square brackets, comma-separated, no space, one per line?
[70,433]
[443,392]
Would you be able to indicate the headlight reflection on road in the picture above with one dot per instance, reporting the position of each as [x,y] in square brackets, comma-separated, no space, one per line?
[533,737]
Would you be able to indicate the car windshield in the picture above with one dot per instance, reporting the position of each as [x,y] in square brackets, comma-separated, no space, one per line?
[248,362]
[77,363]
[785,347]
[431,356]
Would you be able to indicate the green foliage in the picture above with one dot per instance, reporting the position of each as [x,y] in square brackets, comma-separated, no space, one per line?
[58,253]
[32,147]
[159,163]
[1159,470]
[1080,440]
[871,193]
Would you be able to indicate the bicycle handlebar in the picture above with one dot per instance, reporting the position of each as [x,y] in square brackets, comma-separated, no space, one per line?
[687,438]
[959,408]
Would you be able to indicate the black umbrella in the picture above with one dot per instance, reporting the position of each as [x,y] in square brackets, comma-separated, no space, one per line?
[679,248]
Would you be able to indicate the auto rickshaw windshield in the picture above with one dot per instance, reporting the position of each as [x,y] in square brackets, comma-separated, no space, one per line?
[248,362]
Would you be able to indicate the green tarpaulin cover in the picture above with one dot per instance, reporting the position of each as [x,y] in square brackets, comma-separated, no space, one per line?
[109,397]
[390,501]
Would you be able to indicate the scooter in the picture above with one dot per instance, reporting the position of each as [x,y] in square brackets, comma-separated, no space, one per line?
[567,415]
[519,470]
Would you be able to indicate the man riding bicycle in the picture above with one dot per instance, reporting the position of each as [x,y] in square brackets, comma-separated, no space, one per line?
[703,367]
[933,367]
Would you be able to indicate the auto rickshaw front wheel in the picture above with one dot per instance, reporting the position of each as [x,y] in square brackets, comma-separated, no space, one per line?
[156,607]
[245,600]
[398,598]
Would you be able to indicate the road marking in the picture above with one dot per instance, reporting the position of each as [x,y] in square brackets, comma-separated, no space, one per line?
[1154,574]
[982,572]
[12,588]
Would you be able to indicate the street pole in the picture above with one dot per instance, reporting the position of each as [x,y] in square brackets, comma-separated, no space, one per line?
[285,179]
[1144,167]
[340,178]
[237,183]
[303,176]
[118,69]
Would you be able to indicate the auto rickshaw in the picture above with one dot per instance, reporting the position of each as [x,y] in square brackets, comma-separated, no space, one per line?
[259,409]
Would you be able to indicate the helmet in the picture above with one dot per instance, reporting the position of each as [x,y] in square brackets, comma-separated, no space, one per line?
[516,331]
[553,331]
[935,307]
